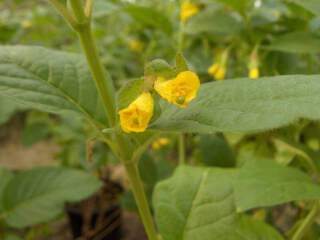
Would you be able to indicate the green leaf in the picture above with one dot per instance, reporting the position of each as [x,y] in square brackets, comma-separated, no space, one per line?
[102,8]
[311,5]
[254,229]
[247,106]
[5,177]
[236,4]
[48,80]
[129,92]
[181,63]
[198,204]
[159,67]
[213,21]
[7,109]
[214,151]
[148,168]
[149,17]
[266,183]
[34,133]
[38,195]
[12,237]
[296,42]
[185,202]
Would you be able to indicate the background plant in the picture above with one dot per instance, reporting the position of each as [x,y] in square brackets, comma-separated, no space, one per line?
[265,114]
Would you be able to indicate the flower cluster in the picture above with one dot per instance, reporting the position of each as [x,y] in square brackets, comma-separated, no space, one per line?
[180,91]
[159,143]
[218,69]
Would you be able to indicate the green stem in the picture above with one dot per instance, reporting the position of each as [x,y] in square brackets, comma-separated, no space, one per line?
[182,149]
[103,84]
[307,222]
[78,11]
[106,90]
[63,11]
[141,199]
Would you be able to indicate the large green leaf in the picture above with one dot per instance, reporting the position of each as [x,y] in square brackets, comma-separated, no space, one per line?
[206,203]
[5,177]
[311,5]
[214,151]
[198,204]
[7,109]
[296,42]
[243,105]
[49,80]
[38,195]
[265,183]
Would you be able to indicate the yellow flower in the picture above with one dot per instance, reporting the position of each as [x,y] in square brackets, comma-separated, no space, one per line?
[218,71]
[136,117]
[180,90]
[160,142]
[213,69]
[188,10]
[26,24]
[221,73]
[135,45]
[254,73]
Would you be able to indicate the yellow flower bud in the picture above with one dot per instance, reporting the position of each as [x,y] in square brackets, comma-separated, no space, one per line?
[221,73]
[136,117]
[135,45]
[157,144]
[254,73]
[180,90]
[218,71]
[188,10]
[213,68]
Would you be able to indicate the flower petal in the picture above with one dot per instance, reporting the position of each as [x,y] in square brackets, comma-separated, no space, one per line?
[136,117]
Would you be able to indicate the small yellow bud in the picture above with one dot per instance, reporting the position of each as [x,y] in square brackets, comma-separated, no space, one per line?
[136,117]
[218,71]
[254,73]
[221,73]
[188,10]
[135,45]
[180,90]
[26,24]
[157,144]
[212,70]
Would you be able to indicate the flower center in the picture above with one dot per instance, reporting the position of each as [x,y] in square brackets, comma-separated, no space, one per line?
[180,100]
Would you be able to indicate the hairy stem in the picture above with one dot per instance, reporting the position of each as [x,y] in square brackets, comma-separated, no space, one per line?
[106,90]
[104,84]
[63,11]
[141,200]
[78,10]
